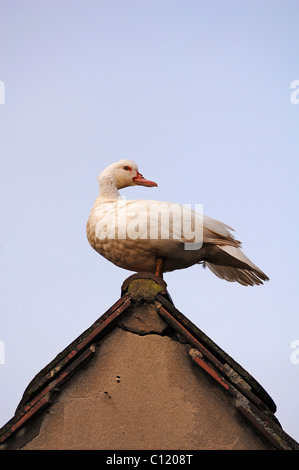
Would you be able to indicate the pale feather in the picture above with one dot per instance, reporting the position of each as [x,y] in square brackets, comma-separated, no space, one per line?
[128,235]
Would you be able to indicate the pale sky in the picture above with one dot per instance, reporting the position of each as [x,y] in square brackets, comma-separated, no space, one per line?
[198,93]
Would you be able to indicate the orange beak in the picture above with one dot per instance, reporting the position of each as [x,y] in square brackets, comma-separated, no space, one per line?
[140,180]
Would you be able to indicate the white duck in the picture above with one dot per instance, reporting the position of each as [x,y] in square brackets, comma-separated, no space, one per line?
[132,236]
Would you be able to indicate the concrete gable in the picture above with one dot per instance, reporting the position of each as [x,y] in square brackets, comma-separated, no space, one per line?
[147,380]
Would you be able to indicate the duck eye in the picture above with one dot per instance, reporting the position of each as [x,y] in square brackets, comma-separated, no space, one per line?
[127,168]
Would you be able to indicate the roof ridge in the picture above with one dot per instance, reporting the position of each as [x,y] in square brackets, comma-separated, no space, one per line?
[219,353]
[251,399]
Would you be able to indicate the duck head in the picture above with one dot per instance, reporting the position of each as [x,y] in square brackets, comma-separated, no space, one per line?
[122,174]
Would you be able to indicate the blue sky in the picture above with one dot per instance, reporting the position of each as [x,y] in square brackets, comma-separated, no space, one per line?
[198,94]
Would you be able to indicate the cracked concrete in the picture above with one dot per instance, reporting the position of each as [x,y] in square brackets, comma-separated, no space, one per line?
[143,319]
[142,391]
[137,387]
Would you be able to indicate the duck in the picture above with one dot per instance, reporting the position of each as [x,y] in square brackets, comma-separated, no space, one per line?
[158,236]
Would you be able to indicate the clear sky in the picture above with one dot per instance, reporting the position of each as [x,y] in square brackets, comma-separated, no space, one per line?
[198,93]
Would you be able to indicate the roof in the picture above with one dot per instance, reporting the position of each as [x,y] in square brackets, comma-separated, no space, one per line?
[250,398]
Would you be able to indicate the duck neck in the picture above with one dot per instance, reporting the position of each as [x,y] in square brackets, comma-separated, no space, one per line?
[108,189]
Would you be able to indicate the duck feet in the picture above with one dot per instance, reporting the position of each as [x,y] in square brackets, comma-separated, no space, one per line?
[159,267]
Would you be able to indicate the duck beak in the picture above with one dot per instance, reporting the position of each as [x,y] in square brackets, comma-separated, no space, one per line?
[140,180]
